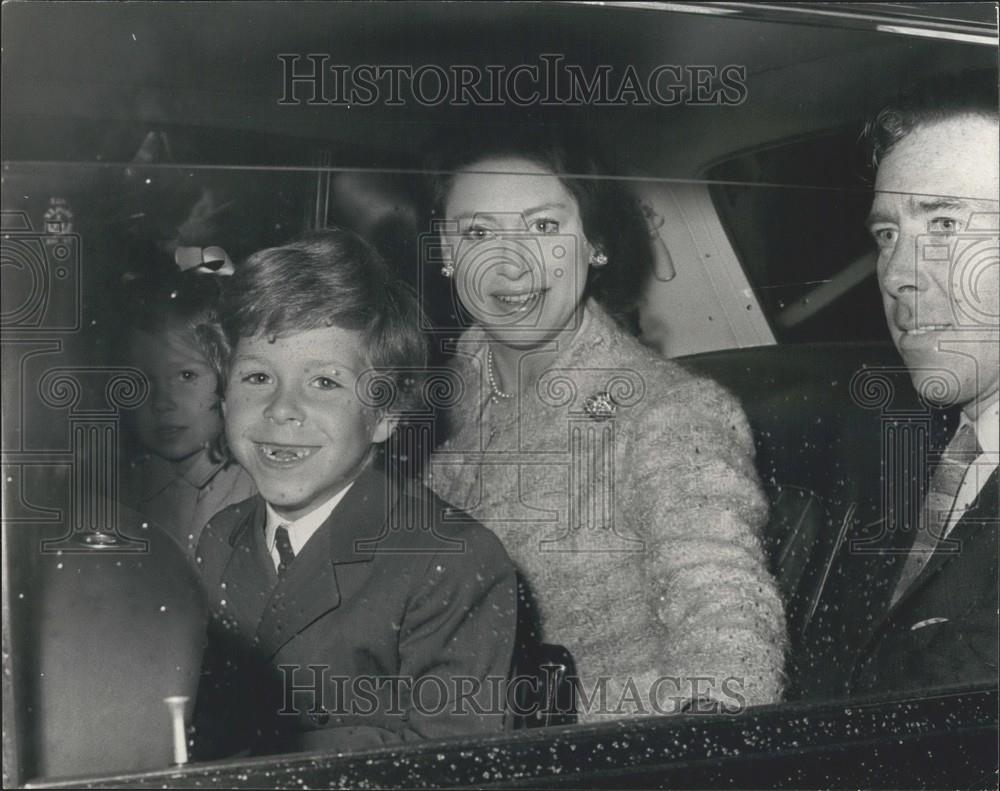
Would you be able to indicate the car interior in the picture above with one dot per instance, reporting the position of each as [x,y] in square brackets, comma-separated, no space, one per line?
[138,117]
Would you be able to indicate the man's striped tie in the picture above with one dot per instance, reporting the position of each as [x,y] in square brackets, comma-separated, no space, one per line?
[945,483]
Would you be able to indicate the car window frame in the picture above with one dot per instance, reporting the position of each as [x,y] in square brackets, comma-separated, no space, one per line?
[976,702]
[561,755]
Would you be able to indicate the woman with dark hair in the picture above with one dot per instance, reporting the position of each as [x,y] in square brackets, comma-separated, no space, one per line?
[622,485]
[608,212]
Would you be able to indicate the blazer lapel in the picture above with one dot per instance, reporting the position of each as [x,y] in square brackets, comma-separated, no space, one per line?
[982,511]
[307,591]
[362,517]
[310,588]
[974,519]
[249,574]
[943,426]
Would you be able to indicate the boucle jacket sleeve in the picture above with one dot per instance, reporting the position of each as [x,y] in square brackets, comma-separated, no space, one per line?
[696,501]
[636,528]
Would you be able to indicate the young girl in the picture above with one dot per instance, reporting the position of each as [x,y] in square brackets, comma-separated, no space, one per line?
[182,474]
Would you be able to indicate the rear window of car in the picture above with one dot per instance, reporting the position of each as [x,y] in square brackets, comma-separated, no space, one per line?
[795,215]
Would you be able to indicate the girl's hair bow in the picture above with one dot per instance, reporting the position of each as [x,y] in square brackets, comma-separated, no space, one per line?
[204,260]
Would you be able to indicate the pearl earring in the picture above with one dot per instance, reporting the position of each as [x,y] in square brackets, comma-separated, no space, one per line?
[599,259]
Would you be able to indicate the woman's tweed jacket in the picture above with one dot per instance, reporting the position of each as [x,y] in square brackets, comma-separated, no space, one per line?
[637,535]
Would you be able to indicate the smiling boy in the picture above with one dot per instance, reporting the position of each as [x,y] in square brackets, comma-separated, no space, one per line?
[320,581]
[294,420]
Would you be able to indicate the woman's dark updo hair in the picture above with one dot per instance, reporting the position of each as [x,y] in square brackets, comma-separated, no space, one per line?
[610,214]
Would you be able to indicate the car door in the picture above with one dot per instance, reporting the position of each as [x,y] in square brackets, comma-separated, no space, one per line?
[740,146]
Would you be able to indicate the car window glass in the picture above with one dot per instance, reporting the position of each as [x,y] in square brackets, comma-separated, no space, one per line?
[266,203]
[792,265]
[805,248]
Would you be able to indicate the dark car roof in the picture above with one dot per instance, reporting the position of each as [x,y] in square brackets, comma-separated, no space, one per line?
[216,65]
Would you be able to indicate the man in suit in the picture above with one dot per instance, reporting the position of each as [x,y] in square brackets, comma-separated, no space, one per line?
[934,221]
[349,610]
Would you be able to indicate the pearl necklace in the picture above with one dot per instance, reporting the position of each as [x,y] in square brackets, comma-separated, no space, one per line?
[495,392]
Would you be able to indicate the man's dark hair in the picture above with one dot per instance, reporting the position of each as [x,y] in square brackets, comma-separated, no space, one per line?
[330,278]
[610,215]
[937,99]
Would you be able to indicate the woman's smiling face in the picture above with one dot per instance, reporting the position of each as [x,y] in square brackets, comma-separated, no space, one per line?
[518,246]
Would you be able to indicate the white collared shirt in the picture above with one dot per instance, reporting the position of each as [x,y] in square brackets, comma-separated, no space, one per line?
[987,429]
[302,529]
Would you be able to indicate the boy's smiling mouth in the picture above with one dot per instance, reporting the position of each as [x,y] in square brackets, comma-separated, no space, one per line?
[284,455]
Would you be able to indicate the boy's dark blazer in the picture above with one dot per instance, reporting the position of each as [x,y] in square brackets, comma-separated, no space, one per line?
[364,602]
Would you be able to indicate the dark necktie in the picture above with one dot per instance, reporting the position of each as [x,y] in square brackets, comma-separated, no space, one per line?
[945,483]
[285,552]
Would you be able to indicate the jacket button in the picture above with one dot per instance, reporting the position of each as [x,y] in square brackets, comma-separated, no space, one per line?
[319,717]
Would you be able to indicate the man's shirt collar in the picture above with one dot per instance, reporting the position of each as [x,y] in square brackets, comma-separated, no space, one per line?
[987,426]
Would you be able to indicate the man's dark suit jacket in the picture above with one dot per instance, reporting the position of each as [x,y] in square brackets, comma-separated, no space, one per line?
[942,631]
[364,599]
